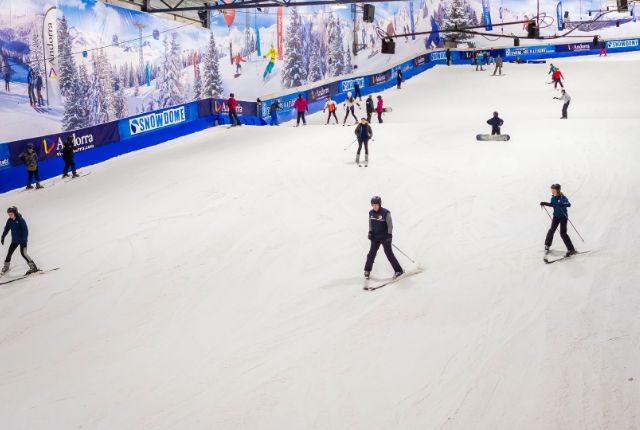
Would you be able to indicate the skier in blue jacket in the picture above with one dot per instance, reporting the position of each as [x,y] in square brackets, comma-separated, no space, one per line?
[559,202]
[19,237]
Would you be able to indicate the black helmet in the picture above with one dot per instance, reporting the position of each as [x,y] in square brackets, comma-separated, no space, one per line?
[29,145]
[376,200]
[555,187]
[231,95]
[12,210]
[379,97]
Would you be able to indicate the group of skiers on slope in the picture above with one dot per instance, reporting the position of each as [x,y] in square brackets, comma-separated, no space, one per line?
[30,159]
[381,230]
[565,98]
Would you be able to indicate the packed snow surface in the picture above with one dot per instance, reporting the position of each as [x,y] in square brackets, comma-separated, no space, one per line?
[215,281]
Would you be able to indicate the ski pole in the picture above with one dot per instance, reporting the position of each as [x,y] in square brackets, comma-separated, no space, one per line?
[401,252]
[545,209]
[574,227]
[349,145]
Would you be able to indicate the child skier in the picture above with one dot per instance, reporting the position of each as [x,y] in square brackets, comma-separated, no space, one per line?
[380,233]
[67,156]
[566,99]
[495,122]
[19,237]
[30,160]
[349,105]
[559,203]
[557,77]
[330,105]
[363,135]
[271,54]
[273,112]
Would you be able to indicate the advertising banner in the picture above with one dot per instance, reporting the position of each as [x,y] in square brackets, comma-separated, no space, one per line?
[219,106]
[279,33]
[419,61]
[51,146]
[559,16]
[347,85]
[575,47]
[438,56]
[486,15]
[4,156]
[157,120]
[626,44]
[528,50]
[50,45]
[321,93]
[380,78]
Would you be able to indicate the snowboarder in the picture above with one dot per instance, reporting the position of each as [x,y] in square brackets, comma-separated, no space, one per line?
[273,111]
[380,109]
[232,104]
[495,122]
[448,55]
[566,99]
[301,107]
[498,67]
[557,78]
[364,133]
[30,160]
[559,202]
[67,156]
[330,105]
[369,106]
[380,233]
[271,54]
[31,82]
[356,91]
[19,237]
[399,78]
[40,100]
[349,106]
[237,60]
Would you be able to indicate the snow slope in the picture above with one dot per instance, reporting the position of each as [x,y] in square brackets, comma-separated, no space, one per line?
[215,281]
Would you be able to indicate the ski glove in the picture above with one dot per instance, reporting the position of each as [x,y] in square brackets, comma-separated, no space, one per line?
[2,241]
[545,204]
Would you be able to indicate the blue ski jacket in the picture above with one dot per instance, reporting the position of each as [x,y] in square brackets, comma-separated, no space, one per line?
[19,230]
[559,205]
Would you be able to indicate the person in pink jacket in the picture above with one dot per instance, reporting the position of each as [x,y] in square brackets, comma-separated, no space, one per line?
[301,106]
[380,109]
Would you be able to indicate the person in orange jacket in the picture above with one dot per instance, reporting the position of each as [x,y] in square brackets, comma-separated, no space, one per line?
[237,59]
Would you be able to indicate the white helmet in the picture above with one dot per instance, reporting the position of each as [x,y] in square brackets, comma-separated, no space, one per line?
[349,94]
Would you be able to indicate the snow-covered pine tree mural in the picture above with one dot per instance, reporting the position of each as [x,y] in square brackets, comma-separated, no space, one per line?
[66,62]
[170,91]
[122,106]
[293,71]
[36,50]
[197,84]
[212,83]
[348,66]
[335,47]
[316,61]
[74,115]
[458,16]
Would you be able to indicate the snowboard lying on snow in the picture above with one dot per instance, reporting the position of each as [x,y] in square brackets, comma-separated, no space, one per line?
[497,137]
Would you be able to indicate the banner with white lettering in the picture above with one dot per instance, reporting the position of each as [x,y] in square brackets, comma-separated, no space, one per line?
[50,45]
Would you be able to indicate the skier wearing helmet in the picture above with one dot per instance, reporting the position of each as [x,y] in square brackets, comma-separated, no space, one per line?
[559,202]
[19,236]
[380,233]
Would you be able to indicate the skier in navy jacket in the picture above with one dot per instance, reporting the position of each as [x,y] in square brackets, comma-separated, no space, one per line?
[380,233]
[19,237]
[559,202]
[495,123]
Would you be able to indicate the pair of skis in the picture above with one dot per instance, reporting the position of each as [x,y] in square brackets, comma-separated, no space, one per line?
[19,278]
[379,283]
[548,261]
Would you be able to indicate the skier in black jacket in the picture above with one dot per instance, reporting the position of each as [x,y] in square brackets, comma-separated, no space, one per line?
[380,233]
[399,78]
[495,123]
[363,134]
[67,156]
[19,237]
[370,108]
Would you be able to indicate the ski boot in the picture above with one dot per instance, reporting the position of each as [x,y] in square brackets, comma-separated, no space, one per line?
[366,274]
[65,175]
[5,268]
[38,186]
[75,175]
[32,268]
[398,274]
[357,158]
[570,253]
[29,187]
[366,160]
[546,250]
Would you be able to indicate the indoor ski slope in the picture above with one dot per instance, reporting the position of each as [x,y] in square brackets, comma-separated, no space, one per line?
[215,281]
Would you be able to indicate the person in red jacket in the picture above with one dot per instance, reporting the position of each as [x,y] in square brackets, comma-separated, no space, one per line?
[237,59]
[232,104]
[301,106]
[557,77]
[380,109]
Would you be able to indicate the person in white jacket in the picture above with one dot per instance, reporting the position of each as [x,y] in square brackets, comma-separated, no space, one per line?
[566,99]
[349,104]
